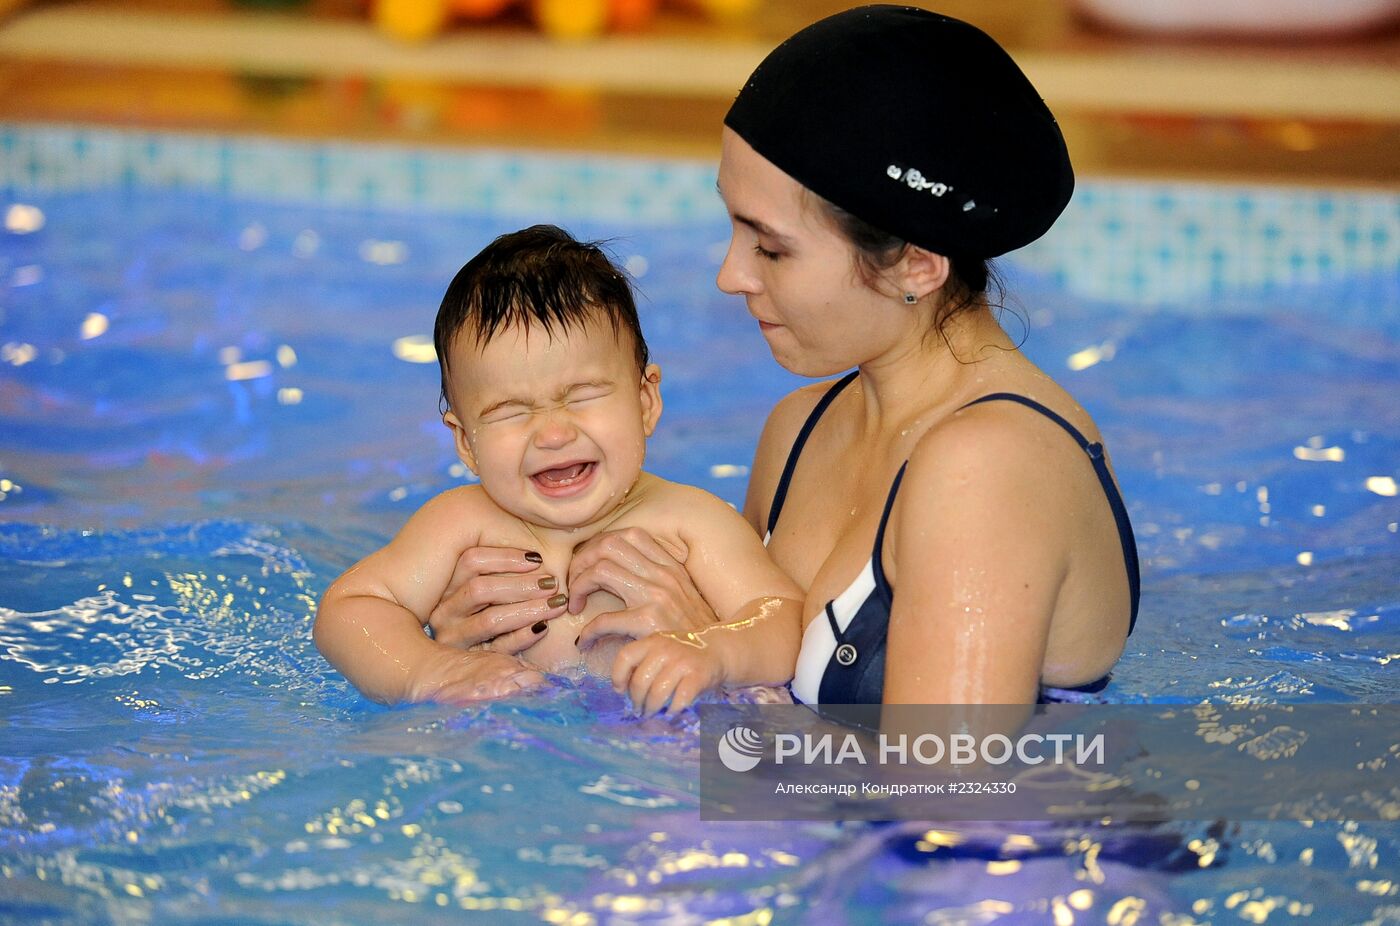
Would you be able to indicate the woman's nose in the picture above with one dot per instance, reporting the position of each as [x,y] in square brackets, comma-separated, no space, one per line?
[735,276]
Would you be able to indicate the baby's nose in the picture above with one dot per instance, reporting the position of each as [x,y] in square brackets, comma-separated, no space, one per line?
[556,429]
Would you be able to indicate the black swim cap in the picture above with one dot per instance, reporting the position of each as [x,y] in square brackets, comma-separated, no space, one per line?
[919,124]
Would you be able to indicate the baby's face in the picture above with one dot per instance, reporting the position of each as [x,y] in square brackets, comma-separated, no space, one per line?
[554,425]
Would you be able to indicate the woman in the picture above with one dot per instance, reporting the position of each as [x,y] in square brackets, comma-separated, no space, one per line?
[871,167]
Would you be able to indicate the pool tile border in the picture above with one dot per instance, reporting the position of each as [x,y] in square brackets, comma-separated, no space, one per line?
[1145,242]
[61,159]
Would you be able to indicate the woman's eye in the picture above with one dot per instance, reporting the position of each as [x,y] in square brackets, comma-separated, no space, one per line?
[764,253]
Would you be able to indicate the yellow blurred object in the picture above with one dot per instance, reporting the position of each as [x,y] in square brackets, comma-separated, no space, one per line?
[411,20]
[9,6]
[479,9]
[568,20]
[571,20]
[724,9]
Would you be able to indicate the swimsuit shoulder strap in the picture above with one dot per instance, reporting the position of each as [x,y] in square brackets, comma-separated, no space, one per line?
[877,564]
[1094,451]
[781,494]
[882,585]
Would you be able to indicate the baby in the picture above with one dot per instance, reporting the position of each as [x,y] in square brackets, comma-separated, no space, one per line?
[550,398]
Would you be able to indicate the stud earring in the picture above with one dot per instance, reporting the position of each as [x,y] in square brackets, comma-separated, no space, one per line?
[910,298]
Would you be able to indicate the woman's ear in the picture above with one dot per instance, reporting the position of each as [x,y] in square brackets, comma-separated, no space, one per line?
[651,398]
[922,272]
[460,440]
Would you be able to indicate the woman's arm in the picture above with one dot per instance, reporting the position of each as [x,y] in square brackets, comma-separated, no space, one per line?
[979,554]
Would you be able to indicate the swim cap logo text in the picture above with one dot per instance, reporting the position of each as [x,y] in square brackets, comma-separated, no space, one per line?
[914,179]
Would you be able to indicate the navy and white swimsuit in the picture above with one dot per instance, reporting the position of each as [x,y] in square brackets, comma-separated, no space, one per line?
[842,660]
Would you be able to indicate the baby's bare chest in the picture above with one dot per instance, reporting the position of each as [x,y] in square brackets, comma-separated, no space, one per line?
[557,650]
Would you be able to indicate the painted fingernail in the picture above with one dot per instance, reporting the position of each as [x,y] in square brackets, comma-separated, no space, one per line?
[539,626]
[533,557]
[558,601]
[548,582]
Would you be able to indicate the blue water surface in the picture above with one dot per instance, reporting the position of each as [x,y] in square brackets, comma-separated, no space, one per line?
[210,405]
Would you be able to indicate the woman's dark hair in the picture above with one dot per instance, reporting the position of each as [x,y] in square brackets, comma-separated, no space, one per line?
[538,275]
[876,251]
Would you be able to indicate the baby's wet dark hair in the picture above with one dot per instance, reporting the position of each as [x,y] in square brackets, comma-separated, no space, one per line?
[539,275]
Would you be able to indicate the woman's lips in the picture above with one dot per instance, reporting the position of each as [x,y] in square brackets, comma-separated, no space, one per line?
[766,326]
[566,480]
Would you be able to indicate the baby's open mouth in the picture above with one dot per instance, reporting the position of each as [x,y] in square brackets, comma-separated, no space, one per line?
[560,479]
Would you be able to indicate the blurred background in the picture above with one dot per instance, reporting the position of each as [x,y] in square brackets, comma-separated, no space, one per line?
[1266,90]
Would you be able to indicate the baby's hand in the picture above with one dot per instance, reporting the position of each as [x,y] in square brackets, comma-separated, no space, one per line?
[674,666]
[457,677]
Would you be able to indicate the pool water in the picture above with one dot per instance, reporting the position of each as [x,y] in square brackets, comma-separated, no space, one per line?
[216,392]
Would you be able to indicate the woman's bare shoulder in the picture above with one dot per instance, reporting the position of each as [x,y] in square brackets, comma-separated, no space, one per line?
[792,410]
[993,460]
[779,433]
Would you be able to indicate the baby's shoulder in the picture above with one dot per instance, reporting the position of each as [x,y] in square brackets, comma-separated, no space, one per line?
[710,538]
[678,508]
[461,510]
[456,500]
[664,495]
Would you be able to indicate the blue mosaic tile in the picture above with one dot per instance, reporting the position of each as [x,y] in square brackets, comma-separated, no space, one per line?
[1126,242]
[69,158]
[1174,244]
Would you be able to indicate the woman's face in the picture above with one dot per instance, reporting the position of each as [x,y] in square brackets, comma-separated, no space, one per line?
[797,272]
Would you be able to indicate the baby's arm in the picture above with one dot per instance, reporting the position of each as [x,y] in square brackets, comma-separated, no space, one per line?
[760,609]
[371,619]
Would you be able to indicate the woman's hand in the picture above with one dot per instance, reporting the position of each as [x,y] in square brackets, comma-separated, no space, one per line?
[496,598]
[651,581]
[674,667]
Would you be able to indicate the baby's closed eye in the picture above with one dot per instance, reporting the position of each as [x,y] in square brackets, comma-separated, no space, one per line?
[587,394]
